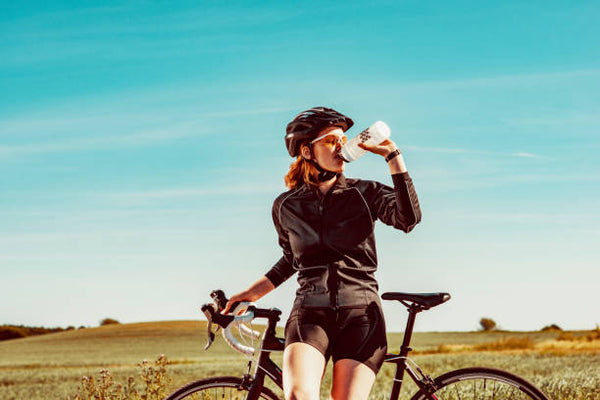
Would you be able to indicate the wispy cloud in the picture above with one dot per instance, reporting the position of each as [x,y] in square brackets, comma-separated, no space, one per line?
[175,21]
[529,155]
[146,196]
[531,79]
[69,34]
[449,150]
[567,119]
[198,126]
[180,130]
[259,111]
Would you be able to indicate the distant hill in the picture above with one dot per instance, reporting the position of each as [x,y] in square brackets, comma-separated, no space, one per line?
[130,343]
[118,343]
[8,332]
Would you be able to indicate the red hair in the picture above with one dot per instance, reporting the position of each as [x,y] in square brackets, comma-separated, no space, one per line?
[301,171]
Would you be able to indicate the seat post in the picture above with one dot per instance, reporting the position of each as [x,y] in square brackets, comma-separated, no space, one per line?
[404,349]
[412,315]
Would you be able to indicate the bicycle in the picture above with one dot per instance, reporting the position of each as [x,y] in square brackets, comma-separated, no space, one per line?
[461,384]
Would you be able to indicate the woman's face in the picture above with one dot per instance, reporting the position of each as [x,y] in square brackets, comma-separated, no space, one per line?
[326,148]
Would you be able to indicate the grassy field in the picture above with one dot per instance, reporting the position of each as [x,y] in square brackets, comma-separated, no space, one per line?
[51,366]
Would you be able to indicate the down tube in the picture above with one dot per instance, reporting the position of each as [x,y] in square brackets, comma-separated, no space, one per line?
[272,370]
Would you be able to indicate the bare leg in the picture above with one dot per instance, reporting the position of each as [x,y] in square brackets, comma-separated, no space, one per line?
[352,380]
[303,367]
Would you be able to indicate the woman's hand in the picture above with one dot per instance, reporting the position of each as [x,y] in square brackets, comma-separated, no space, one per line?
[383,149]
[253,293]
[239,297]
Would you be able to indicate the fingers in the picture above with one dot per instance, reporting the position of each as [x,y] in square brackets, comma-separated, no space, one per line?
[233,299]
[236,298]
[382,149]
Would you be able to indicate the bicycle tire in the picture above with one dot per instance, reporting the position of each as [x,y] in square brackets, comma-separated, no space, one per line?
[482,383]
[217,387]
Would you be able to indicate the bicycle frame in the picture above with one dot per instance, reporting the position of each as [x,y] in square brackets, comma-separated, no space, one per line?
[507,382]
[267,367]
[425,382]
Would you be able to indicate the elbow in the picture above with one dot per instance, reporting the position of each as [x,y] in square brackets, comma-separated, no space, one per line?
[407,228]
[409,225]
[274,278]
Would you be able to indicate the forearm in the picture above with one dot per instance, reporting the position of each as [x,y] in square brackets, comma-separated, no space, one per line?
[259,289]
[386,149]
[407,202]
[397,165]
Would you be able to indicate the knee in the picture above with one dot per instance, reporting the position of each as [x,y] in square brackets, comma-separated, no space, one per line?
[301,393]
[335,393]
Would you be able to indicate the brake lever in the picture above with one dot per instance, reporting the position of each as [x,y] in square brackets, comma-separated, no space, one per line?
[209,333]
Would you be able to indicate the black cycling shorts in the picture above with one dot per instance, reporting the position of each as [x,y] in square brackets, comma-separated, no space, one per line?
[355,333]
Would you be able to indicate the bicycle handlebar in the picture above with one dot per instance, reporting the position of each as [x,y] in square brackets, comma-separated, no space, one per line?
[227,322]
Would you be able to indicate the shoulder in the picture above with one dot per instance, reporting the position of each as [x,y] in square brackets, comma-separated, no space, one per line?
[279,200]
[371,191]
[363,185]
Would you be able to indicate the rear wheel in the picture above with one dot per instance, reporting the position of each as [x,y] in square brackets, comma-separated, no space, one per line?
[482,383]
[220,387]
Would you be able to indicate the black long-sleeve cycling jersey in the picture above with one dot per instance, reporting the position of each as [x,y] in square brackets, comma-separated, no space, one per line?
[329,239]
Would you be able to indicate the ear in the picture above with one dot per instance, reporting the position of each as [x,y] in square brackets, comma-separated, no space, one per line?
[305,152]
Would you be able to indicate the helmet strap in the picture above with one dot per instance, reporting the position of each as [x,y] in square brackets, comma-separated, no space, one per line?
[324,175]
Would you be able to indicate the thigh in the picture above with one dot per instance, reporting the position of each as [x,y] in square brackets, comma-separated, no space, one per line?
[303,367]
[352,380]
[310,326]
[361,337]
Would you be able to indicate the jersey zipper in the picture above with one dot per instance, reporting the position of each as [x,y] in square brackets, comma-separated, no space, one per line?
[332,282]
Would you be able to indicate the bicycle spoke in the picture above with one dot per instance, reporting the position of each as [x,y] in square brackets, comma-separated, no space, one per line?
[481,388]
[484,387]
[217,388]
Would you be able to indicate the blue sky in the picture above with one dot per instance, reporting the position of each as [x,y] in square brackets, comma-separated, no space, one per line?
[142,147]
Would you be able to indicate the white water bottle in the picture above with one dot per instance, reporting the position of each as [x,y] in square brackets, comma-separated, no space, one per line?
[373,135]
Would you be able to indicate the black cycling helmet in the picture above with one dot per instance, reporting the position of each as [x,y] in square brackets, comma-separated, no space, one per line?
[307,125]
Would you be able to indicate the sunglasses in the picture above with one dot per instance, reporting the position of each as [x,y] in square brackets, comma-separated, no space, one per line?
[331,139]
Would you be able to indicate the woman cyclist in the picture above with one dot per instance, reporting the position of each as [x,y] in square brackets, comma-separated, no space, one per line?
[325,225]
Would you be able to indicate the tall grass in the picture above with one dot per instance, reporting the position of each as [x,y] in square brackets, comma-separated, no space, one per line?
[51,366]
[153,386]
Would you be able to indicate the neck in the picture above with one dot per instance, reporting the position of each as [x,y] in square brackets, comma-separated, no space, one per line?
[323,174]
[326,185]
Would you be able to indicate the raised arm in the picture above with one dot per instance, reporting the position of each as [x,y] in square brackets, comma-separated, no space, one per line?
[397,206]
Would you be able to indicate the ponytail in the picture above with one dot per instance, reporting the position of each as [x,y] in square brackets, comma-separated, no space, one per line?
[301,171]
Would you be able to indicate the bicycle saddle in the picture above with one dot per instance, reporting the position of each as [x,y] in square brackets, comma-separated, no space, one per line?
[422,300]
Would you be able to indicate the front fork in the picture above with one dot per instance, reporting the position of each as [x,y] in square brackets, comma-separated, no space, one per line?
[255,383]
[252,385]
[255,388]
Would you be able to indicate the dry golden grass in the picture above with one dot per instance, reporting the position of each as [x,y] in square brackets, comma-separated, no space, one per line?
[51,366]
[153,385]
[561,347]
[566,343]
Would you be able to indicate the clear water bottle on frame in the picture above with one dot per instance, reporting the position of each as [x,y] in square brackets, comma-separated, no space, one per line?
[373,135]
